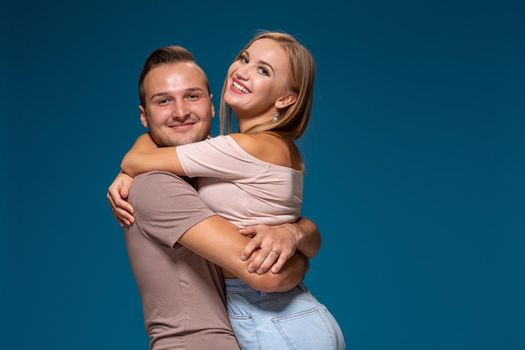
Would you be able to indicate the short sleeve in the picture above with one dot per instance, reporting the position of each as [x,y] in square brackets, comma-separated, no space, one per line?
[165,206]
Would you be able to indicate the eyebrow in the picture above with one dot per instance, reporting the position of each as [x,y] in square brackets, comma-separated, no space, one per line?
[267,64]
[195,89]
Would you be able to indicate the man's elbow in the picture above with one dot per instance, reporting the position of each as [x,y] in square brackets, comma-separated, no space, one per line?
[290,275]
[315,248]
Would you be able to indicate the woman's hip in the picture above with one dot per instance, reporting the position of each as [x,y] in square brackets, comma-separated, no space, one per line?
[287,320]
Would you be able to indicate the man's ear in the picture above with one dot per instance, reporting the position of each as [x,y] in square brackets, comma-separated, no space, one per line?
[143,119]
[286,100]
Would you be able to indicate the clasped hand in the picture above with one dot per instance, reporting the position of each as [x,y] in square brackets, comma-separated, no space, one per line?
[270,246]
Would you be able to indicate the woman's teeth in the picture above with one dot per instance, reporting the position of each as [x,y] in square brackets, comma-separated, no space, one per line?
[240,87]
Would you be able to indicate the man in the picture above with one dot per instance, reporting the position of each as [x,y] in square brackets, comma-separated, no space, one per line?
[182,293]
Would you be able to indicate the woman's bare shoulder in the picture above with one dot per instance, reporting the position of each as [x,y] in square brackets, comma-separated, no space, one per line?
[266,147]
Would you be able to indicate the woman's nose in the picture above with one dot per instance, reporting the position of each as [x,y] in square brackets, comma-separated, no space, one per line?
[242,73]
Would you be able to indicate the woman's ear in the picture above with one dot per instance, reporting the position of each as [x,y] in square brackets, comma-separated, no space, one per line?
[286,100]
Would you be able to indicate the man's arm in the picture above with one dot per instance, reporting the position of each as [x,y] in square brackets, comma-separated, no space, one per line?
[308,236]
[218,241]
[170,211]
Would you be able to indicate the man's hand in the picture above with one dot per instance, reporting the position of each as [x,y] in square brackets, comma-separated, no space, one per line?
[274,246]
[117,197]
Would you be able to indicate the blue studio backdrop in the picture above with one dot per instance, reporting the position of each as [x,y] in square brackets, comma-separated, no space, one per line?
[414,155]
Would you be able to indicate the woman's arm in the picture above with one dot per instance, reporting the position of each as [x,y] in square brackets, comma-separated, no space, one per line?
[145,156]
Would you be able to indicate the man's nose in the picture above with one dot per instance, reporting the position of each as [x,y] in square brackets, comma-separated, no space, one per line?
[181,109]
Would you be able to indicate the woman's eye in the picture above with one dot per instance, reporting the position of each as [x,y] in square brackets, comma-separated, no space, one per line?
[244,59]
[264,71]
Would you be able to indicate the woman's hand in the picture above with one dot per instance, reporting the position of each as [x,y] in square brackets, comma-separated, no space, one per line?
[274,244]
[117,197]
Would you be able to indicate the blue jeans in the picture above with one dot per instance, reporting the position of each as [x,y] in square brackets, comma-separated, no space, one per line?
[275,321]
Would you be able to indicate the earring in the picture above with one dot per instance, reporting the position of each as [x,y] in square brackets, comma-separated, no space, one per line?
[275,117]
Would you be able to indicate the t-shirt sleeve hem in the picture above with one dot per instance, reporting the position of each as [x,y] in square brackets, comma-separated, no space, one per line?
[185,225]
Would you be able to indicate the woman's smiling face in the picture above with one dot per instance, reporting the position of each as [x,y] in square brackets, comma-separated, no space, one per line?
[257,78]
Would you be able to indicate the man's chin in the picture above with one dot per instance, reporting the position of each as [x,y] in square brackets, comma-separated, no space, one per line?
[178,140]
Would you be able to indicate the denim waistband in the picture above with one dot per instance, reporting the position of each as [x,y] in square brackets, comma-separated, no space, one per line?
[239,286]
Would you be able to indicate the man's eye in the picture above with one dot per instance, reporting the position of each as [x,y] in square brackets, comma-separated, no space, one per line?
[193,97]
[162,101]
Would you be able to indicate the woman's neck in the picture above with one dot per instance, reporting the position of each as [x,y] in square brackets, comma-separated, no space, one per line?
[246,122]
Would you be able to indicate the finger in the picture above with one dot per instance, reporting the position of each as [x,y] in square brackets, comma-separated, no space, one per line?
[280,263]
[112,204]
[110,200]
[247,234]
[269,261]
[118,201]
[126,206]
[248,231]
[123,215]
[124,188]
[121,203]
[112,194]
[123,223]
[123,220]
[259,259]
[114,208]
[254,244]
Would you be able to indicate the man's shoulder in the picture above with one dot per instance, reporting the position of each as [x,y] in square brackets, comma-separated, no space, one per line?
[155,185]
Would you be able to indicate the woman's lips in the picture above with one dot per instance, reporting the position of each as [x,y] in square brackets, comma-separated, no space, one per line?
[239,88]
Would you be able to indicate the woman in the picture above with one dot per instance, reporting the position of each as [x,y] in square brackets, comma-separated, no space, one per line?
[269,86]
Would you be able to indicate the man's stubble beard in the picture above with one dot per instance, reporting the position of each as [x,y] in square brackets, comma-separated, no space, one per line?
[161,142]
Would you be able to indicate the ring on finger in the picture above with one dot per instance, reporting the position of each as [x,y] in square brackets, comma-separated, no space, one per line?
[276,251]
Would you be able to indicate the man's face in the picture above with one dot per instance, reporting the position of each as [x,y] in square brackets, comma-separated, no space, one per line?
[178,106]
